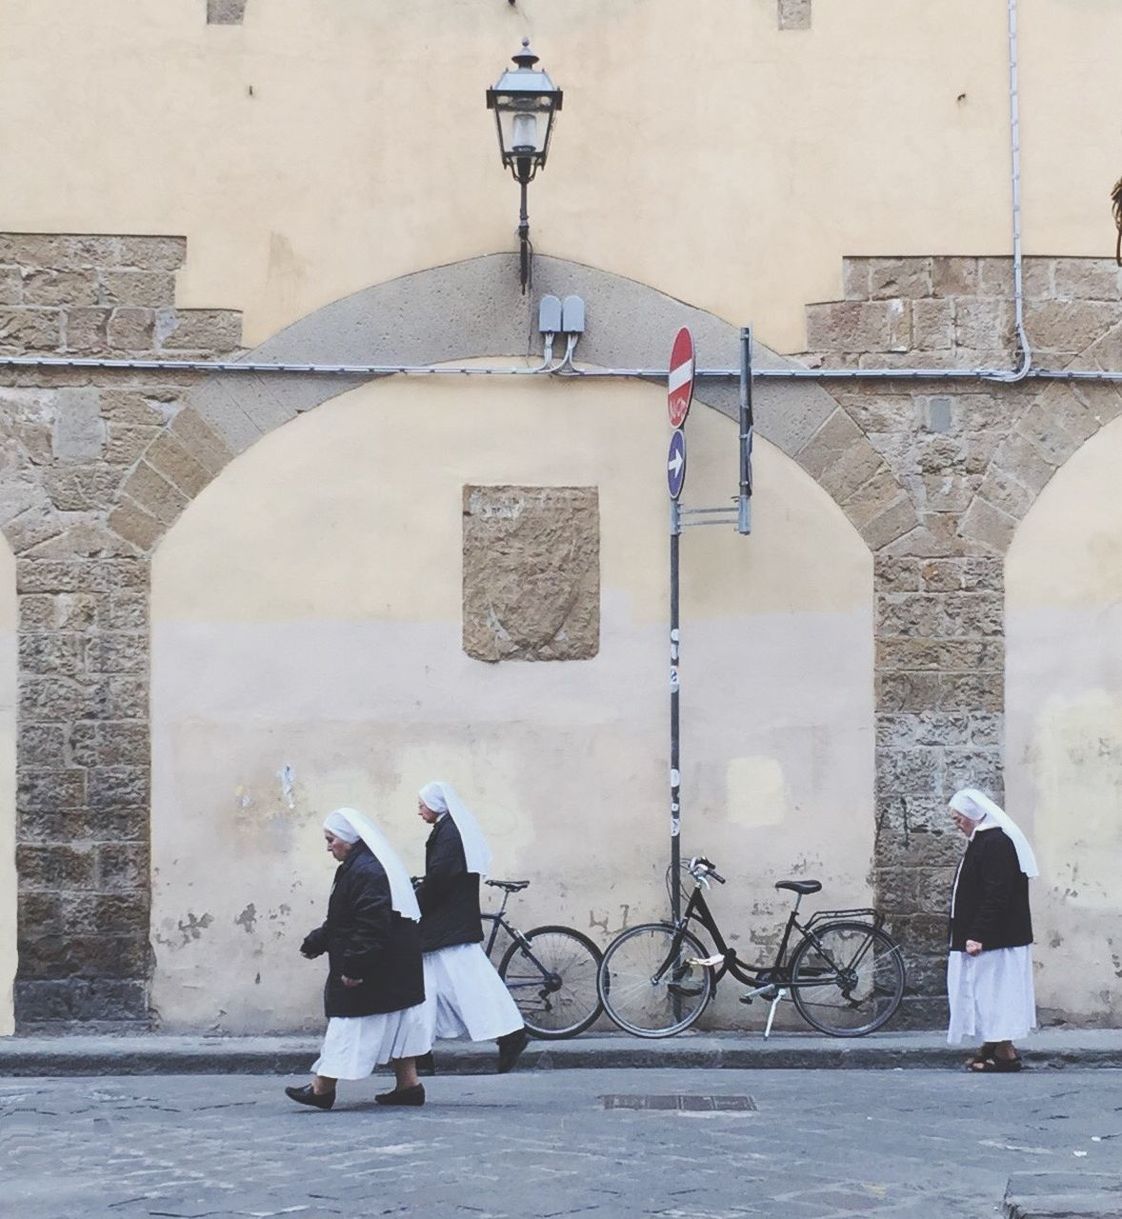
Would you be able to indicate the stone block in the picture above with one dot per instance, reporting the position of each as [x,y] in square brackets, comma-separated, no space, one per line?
[791,14]
[988,526]
[122,867]
[1020,455]
[127,444]
[962,575]
[149,407]
[908,615]
[59,251]
[907,690]
[130,522]
[148,289]
[106,913]
[125,611]
[890,523]
[855,278]
[33,528]
[11,286]
[1103,403]
[76,611]
[117,652]
[171,459]
[531,572]
[37,612]
[895,575]
[67,1003]
[232,12]
[42,745]
[974,767]
[82,742]
[966,615]
[124,743]
[118,698]
[899,278]
[153,493]
[216,331]
[150,253]
[853,326]
[131,329]
[984,326]
[874,412]
[933,325]
[1067,327]
[201,441]
[1005,492]
[52,653]
[52,699]
[54,867]
[81,488]
[85,331]
[1088,279]
[839,457]
[79,430]
[52,287]
[117,786]
[51,788]
[28,330]
[954,276]
[971,692]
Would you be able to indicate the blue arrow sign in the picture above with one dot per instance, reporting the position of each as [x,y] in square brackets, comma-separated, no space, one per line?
[676,463]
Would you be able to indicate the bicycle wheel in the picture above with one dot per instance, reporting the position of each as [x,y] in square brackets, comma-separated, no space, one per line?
[552,977]
[847,979]
[651,983]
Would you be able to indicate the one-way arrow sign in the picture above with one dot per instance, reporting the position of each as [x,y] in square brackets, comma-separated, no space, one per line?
[676,463]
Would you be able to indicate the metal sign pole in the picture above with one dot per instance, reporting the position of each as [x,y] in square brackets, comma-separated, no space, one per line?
[675,683]
[747,424]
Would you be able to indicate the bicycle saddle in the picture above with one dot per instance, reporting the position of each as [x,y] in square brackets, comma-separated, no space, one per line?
[799,886]
[511,886]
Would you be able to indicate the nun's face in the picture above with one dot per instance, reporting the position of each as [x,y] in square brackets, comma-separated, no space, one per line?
[963,822]
[336,846]
[426,814]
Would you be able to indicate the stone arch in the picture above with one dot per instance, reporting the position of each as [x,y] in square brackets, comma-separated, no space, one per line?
[472,309]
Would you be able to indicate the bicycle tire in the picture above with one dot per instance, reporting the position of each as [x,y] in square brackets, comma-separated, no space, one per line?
[552,1012]
[866,982]
[637,1001]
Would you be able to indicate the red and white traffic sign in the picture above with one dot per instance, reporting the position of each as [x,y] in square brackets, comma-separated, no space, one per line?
[679,384]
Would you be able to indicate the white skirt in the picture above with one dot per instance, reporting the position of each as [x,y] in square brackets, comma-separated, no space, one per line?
[465,997]
[354,1045]
[991,995]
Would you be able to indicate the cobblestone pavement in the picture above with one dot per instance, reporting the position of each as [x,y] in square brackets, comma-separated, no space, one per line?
[820,1145]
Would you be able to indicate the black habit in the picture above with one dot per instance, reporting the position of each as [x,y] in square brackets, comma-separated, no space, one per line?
[449,893]
[991,902]
[364,937]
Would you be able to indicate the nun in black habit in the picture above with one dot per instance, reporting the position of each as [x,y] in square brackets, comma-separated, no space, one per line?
[374,995]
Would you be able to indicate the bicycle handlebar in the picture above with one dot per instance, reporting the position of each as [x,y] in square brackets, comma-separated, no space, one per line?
[699,862]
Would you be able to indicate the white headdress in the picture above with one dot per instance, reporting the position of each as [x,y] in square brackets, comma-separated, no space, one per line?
[979,807]
[350,825]
[442,798]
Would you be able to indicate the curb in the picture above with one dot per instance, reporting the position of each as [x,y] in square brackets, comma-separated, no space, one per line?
[161,1054]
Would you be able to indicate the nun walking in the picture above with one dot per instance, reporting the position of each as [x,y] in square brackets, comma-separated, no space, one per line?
[464,995]
[374,995]
[989,969]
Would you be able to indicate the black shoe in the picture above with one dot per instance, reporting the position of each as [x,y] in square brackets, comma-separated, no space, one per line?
[403,1096]
[510,1048]
[425,1064]
[308,1096]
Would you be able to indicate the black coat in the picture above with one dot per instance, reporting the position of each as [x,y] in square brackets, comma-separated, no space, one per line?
[991,903]
[364,937]
[449,893]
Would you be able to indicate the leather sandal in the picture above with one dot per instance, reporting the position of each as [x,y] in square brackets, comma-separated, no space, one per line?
[403,1096]
[997,1066]
[307,1095]
[984,1051]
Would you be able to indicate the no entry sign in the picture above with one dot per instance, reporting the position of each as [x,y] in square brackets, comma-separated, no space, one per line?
[679,387]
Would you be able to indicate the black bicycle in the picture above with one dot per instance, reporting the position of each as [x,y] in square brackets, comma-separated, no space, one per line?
[845,975]
[550,972]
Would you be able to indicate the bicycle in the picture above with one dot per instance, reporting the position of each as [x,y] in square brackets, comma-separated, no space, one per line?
[550,972]
[845,975]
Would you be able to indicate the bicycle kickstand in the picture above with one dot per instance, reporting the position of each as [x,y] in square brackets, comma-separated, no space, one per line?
[779,995]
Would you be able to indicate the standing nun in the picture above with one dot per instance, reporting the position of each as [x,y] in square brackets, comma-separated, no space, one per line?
[464,996]
[374,995]
[989,970]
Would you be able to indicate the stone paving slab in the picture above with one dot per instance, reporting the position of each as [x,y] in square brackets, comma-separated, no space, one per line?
[159,1054]
[1063,1195]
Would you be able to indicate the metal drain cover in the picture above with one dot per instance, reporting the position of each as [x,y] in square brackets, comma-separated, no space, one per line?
[678,1100]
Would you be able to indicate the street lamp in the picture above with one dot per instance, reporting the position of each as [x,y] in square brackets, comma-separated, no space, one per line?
[525,101]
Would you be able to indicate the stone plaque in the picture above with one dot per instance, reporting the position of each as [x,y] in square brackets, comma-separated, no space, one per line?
[531,573]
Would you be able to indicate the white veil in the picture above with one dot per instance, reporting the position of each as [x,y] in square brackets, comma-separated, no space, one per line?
[442,798]
[350,825]
[979,807]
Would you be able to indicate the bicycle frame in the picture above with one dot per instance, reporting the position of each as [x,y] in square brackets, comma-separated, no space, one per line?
[498,919]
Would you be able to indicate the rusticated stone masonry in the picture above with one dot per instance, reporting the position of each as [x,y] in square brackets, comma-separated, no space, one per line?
[225,12]
[972,457]
[79,507]
[793,14]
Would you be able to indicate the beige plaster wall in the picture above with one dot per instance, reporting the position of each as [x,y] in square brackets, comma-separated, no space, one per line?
[8,703]
[320,148]
[307,652]
[1064,726]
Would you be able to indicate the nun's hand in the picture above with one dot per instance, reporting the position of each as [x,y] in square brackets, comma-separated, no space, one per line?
[973,948]
[350,983]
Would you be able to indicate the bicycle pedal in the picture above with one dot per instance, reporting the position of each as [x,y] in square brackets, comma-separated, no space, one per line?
[746,1000]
